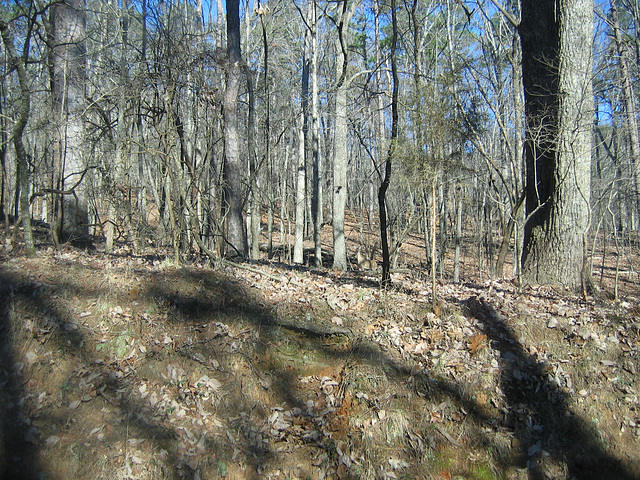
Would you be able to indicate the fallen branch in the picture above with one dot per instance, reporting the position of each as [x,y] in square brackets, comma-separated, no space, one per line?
[264,274]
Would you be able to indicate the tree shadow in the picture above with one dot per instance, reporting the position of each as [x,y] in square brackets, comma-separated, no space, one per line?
[20,449]
[19,452]
[538,411]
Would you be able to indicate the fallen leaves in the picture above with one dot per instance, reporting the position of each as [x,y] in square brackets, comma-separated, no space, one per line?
[476,343]
[201,382]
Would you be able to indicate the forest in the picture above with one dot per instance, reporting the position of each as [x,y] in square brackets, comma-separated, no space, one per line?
[319,239]
[125,123]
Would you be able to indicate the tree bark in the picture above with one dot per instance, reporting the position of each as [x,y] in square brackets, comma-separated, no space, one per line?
[69,76]
[556,63]
[382,191]
[341,150]
[17,131]
[234,175]
[298,245]
[629,103]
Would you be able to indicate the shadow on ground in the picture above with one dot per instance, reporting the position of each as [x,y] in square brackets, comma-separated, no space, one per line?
[544,426]
[197,304]
[19,453]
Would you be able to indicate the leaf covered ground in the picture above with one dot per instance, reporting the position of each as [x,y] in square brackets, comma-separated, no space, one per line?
[128,367]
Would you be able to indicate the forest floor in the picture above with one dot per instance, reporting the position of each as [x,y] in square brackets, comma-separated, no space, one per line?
[125,366]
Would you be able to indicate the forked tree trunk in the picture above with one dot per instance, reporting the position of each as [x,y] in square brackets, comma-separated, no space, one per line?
[24,109]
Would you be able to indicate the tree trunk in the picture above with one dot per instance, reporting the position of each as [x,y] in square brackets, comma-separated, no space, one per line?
[340,165]
[69,76]
[629,103]
[434,219]
[24,109]
[254,199]
[382,191]
[298,245]
[236,235]
[556,65]
[341,150]
[458,239]
[113,175]
[316,159]
[267,136]
[506,239]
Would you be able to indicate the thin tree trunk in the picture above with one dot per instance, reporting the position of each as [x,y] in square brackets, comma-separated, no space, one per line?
[629,103]
[434,219]
[120,138]
[298,245]
[254,200]
[17,131]
[267,135]
[458,240]
[316,159]
[382,192]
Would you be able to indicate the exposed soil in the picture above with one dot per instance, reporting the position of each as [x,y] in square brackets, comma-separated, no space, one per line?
[127,367]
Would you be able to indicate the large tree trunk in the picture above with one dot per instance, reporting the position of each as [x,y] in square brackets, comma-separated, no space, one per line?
[69,74]
[556,62]
[340,139]
[236,235]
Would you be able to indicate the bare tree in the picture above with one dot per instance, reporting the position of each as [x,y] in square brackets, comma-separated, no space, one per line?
[382,191]
[24,108]
[628,100]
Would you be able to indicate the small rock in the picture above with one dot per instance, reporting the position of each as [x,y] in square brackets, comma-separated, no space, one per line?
[553,323]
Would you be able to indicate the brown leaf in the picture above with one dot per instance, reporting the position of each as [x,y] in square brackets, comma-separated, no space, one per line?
[435,417]
[445,475]
[477,343]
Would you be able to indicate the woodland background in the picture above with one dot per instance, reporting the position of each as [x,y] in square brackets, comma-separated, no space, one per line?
[121,108]
[195,198]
